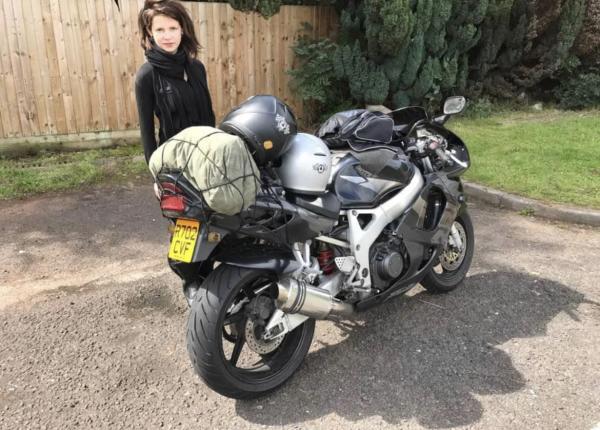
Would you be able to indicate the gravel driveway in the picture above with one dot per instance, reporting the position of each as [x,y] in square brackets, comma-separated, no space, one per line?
[92,333]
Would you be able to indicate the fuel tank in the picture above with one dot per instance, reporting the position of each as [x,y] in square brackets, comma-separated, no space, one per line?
[362,181]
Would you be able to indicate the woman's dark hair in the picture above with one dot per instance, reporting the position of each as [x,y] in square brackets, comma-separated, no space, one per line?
[175,10]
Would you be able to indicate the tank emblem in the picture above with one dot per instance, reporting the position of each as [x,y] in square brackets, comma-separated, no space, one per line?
[282,124]
[267,144]
[320,167]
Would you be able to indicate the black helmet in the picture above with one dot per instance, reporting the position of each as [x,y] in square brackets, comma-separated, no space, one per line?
[265,123]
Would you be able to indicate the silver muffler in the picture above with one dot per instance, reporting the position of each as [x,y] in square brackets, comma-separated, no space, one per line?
[298,297]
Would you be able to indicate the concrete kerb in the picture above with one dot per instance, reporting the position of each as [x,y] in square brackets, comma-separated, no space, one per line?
[532,207]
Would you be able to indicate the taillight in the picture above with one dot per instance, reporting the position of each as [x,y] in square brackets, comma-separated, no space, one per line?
[171,197]
[172,203]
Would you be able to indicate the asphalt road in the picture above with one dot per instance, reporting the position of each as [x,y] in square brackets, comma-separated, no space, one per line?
[92,333]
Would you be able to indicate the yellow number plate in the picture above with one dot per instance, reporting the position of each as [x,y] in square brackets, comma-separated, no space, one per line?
[184,239]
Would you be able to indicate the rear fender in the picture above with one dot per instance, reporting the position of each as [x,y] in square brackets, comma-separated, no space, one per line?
[202,261]
[234,252]
[210,238]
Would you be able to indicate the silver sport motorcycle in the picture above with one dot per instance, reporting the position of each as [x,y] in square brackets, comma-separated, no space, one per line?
[331,234]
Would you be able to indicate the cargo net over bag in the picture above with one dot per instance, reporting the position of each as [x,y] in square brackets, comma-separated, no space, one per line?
[217,164]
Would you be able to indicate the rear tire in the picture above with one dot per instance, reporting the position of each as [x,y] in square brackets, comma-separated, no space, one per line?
[221,313]
[455,263]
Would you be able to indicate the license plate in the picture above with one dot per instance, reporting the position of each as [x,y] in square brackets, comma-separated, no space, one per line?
[184,239]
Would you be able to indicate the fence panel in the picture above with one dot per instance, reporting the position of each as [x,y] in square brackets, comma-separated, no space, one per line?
[68,66]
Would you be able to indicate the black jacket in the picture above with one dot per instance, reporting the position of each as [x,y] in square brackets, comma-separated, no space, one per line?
[147,107]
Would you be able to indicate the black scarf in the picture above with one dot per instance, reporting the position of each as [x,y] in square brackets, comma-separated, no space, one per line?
[176,112]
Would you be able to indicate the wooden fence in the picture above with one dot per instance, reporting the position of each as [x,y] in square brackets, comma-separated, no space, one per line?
[68,66]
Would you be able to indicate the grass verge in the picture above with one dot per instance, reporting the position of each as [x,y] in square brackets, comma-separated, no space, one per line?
[550,156]
[47,172]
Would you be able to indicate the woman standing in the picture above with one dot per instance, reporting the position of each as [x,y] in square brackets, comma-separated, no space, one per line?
[172,83]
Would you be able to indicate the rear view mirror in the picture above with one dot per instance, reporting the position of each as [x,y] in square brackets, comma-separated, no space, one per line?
[454,105]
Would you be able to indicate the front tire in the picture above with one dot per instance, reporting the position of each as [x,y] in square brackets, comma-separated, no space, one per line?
[454,262]
[227,314]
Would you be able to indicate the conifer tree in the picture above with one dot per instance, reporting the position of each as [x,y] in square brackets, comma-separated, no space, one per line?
[449,72]
[415,54]
[366,80]
[350,27]
[435,38]
[551,50]
[587,44]
[393,67]
[413,51]
[425,81]
[494,32]
[388,25]
[266,8]
[496,36]
[462,34]
[516,43]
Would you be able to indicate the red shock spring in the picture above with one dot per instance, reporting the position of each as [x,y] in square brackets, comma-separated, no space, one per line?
[325,258]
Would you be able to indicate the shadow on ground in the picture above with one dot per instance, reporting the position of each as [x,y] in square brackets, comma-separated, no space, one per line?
[423,357]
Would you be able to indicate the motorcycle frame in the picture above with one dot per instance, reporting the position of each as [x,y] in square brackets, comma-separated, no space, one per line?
[362,238]
[409,206]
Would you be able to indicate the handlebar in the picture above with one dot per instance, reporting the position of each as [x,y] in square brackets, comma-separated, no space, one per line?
[424,146]
[441,153]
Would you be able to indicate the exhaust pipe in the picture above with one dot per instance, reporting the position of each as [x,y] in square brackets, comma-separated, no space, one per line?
[298,297]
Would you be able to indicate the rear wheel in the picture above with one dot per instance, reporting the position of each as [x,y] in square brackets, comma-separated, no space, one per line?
[455,260]
[224,335]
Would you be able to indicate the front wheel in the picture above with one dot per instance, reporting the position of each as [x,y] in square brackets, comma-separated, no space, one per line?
[224,334]
[455,260]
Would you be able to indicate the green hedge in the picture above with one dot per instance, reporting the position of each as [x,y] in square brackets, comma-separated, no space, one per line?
[401,52]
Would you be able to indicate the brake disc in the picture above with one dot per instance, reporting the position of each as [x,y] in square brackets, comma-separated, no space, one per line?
[258,345]
[259,310]
[453,256]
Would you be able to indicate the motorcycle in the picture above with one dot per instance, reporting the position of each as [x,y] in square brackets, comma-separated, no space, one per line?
[372,225]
